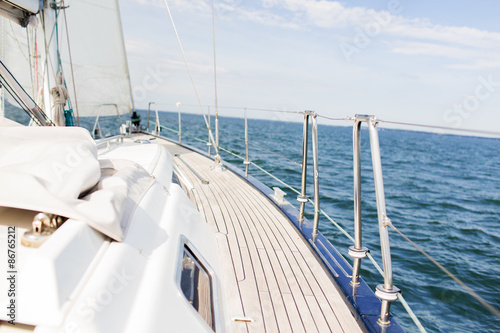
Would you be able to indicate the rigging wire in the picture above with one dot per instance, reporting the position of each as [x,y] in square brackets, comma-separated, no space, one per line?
[17,41]
[191,77]
[71,64]
[215,79]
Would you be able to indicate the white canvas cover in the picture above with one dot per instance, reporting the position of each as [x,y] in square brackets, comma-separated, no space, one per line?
[56,170]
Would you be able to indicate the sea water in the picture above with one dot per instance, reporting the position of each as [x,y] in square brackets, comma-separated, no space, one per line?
[442,191]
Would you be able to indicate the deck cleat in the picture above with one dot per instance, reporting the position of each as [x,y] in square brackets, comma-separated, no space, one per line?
[43,225]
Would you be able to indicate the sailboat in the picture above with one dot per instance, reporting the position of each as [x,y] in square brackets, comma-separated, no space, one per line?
[138,233]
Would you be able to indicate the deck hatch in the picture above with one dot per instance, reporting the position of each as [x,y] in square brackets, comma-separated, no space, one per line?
[196,285]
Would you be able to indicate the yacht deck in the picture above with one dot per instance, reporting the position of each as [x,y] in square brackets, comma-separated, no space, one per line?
[274,282]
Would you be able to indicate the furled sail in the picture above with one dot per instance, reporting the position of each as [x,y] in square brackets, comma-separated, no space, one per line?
[98,55]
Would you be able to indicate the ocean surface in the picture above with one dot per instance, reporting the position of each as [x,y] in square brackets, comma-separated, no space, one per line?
[442,191]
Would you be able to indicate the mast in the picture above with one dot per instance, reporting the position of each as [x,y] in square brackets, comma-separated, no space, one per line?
[50,63]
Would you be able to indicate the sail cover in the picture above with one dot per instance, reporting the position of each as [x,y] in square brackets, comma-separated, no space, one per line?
[55,170]
[98,54]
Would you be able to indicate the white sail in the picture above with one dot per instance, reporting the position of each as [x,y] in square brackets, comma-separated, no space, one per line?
[98,55]
[16,55]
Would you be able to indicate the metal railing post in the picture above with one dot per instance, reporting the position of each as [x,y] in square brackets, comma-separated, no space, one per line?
[149,110]
[386,292]
[314,234]
[247,160]
[209,143]
[357,251]
[157,121]
[217,129]
[302,198]
[178,104]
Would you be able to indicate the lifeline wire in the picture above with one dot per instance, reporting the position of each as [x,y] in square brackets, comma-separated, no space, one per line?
[488,306]
[254,109]
[262,148]
[441,127]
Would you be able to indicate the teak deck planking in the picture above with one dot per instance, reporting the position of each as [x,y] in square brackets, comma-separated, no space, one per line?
[273,281]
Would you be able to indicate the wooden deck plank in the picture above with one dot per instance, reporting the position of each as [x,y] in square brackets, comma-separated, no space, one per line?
[233,215]
[250,296]
[304,283]
[235,236]
[270,270]
[283,286]
[230,284]
[335,299]
[250,217]
[270,236]
[293,313]
[275,290]
[270,322]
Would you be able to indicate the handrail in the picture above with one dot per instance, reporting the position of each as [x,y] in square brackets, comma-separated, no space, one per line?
[386,292]
[302,198]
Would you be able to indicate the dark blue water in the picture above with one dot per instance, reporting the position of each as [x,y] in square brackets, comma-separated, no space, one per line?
[442,191]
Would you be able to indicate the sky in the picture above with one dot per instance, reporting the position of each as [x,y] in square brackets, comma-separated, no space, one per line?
[424,62]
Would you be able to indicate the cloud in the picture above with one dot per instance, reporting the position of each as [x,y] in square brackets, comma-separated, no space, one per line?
[475,58]
[479,47]
[474,46]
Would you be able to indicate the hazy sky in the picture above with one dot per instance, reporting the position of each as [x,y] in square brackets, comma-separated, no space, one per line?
[432,62]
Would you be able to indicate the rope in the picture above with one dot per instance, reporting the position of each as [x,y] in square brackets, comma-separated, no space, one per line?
[488,306]
[59,95]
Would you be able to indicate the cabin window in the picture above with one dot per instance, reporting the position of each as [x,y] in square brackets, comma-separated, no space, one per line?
[196,285]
